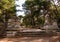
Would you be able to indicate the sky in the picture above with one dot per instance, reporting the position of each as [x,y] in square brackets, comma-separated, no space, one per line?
[19,2]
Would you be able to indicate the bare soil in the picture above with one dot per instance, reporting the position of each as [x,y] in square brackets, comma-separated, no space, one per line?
[32,39]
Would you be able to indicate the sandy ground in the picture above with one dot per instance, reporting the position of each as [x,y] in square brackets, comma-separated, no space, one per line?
[32,39]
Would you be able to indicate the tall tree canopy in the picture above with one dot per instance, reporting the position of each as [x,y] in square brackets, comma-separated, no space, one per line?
[36,8]
[7,10]
[7,7]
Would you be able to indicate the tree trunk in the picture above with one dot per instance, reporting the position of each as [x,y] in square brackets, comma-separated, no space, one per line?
[33,23]
[5,26]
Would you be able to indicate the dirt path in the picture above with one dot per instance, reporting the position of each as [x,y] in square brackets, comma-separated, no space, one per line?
[32,39]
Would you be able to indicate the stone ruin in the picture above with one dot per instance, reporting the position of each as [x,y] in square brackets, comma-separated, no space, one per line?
[13,27]
[49,25]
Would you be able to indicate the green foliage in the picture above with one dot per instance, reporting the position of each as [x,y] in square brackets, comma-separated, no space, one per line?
[7,7]
[6,4]
[33,18]
[7,11]
[33,8]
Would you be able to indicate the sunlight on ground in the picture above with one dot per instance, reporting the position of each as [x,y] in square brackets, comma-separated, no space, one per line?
[5,40]
[31,39]
[55,37]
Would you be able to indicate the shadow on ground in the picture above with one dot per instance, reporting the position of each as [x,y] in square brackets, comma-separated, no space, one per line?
[32,39]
